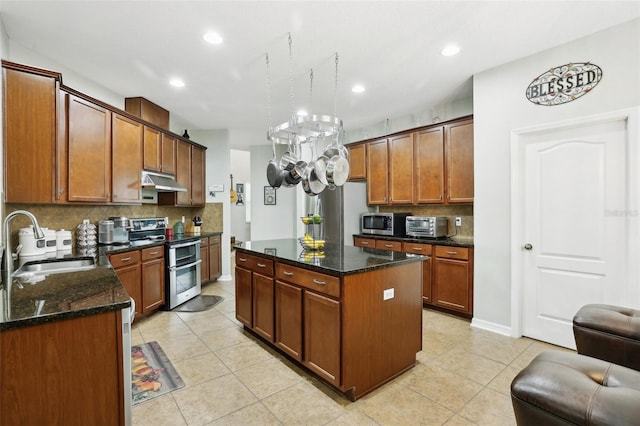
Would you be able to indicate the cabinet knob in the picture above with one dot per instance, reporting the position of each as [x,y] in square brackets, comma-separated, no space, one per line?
[528,246]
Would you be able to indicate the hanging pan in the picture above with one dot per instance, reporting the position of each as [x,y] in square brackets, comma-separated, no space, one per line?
[311,184]
[275,175]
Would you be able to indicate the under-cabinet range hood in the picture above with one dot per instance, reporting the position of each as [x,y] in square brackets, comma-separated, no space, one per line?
[160,182]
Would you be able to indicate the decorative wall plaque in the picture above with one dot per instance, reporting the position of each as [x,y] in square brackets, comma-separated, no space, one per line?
[564,83]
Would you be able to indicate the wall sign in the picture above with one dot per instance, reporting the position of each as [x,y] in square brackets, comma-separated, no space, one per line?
[564,84]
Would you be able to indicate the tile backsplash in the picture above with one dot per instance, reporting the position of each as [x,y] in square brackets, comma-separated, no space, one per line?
[450,211]
[66,216]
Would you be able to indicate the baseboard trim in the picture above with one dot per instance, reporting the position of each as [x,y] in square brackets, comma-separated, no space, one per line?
[224,278]
[493,327]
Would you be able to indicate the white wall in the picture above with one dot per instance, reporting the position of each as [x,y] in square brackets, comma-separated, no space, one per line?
[499,107]
[240,167]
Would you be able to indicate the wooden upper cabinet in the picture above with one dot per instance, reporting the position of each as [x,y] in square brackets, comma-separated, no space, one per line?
[377,175]
[459,157]
[29,136]
[168,157]
[183,172]
[89,152]
[401,169]
[197,176]
[152,149]
[429,165]
[127,159]
[357,162]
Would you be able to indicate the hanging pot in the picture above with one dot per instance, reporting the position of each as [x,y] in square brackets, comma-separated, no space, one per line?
[289,159]
[275,174]
[295,175]
[337,170]
[310,182]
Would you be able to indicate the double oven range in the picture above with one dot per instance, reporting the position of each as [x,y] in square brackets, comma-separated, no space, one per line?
[182,259]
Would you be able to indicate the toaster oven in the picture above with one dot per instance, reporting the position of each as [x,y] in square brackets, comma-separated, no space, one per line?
[427,226]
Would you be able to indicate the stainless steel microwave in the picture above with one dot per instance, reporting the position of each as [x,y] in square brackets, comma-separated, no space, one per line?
[427,226]
[383,223]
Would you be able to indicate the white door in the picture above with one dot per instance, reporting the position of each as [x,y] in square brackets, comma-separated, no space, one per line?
[573,223]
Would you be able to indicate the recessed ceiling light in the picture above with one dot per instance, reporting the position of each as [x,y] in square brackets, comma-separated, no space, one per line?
[450,50]
[212,37]
[176,82]
[358,88]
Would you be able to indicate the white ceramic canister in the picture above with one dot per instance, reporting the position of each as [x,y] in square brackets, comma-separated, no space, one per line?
[63,240]
[30,245]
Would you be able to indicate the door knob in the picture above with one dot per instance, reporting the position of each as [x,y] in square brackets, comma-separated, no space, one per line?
[528,246]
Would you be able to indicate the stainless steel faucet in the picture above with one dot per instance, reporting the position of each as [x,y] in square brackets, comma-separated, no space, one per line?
[38,233]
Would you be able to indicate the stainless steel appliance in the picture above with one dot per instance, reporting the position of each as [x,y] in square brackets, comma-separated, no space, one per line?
[383,223]
[105,232]
[147,229]
[121,226]
[427,226]
[182,279]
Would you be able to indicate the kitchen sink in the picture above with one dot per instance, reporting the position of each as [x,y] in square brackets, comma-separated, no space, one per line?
[55,266]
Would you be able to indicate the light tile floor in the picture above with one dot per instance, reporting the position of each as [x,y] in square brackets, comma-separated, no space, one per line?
[462,376]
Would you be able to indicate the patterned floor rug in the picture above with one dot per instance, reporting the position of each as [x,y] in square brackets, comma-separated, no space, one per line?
[152,374]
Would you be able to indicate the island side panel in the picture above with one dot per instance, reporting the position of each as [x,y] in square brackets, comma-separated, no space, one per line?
[380,337]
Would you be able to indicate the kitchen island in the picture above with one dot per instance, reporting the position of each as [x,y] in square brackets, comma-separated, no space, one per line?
[352,316]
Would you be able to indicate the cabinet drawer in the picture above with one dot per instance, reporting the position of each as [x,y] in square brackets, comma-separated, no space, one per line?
[417,248]
[204,242]
[389,245]
[312,280]
[152,253]
[364,242]
[125,259]
[255,263]
[214,240]
[461,253]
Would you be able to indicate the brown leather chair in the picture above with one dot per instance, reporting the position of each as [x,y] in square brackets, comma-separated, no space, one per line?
[561,388]
[610,333]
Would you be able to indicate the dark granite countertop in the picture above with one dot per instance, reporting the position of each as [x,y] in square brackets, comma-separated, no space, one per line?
[75,294]
[453,241]
[334,259]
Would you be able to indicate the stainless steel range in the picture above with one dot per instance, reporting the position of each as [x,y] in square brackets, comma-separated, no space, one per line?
[182,259]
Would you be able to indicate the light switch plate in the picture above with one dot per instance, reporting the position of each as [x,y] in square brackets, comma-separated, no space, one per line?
[388,294]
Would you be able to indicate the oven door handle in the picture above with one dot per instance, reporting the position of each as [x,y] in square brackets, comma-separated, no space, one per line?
[177,268]
[187,244]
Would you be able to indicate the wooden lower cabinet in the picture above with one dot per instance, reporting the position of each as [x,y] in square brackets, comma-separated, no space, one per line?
[364,242]
[152,287]
[341,328]
[210,254]
[453,278]
[425,250]
[262,305]
[142,274]
[322,336]
[288,319]
[63,372]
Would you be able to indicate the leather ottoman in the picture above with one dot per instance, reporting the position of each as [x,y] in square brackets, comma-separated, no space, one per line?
[560,388]
[610,333]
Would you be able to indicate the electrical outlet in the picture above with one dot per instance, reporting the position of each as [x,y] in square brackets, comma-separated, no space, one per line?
[458,221]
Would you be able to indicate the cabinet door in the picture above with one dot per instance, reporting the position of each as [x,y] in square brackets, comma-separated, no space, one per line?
[89,152]
[401,169]
[183,172]
[152,284]
[425,250]
[243,296]
[204,256]
[130,278]
[29,137]
[127,160]
[357,162]
[429,166]
[263,303]
[288,318]
[322,336]
[378,181]
[459,155]
[215,260]
[197,176]
[152,149]
[168,156]
[452,285]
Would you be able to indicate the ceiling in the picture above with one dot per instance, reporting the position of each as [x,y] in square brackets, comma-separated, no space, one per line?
[133,48]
